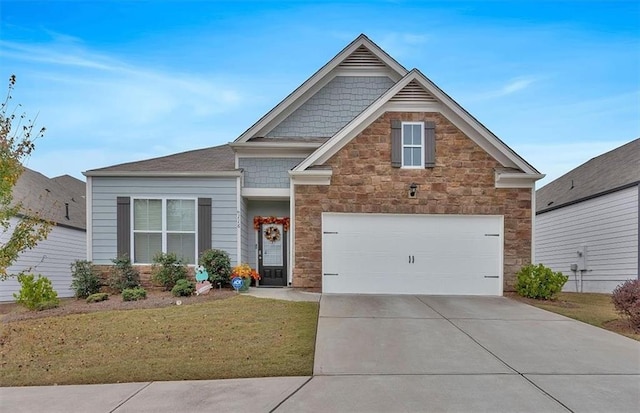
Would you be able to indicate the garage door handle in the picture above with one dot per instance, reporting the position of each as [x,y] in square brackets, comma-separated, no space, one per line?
[412,259]
[330,273]
[491,235]
[491,276]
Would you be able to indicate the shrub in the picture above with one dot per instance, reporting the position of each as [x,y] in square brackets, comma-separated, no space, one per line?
[85,280]
[167,270]
[36,294]
[134,294]
[97,297]
[123,275]
[626,300]
[217,264]
[183,288]
[540,282]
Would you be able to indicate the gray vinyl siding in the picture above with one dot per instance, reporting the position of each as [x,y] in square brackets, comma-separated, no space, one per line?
[332,107]
[267,172]
[607,225]
[51,258]
[222,192]
[263,209]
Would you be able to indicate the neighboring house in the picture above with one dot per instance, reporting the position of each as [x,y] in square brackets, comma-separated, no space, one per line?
[62,201]
[587,221]
[366,179]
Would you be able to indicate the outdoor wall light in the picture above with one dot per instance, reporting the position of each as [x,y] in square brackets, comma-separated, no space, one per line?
[413,190]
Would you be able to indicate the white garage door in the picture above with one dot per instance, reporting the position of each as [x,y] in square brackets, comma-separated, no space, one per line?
[412,254]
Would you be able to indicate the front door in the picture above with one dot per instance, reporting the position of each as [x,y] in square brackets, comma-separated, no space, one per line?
[272,255]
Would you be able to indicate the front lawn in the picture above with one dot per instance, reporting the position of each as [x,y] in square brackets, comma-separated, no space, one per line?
[591,308]
[236,337]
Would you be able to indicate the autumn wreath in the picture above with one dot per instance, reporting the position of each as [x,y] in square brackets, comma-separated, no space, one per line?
[272,234]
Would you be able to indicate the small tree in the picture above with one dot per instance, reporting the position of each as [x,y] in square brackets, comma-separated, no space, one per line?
[17,137]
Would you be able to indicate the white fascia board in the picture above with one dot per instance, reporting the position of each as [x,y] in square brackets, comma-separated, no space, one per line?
[266,193]
[311,177]
[149,174]
[516,179]
[319,76]
[275,150]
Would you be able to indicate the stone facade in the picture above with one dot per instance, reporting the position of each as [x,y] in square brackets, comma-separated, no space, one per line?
[363,181]
[145,272]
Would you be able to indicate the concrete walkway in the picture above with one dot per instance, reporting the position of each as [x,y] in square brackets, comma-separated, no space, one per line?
[402,354]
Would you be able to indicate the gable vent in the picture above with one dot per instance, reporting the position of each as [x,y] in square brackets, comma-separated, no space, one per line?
[362,57]
[413,92]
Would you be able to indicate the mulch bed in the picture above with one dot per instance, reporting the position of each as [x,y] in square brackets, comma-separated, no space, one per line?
[155,299]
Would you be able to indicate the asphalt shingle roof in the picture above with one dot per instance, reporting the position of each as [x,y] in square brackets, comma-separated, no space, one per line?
[613,170]
[214,159]
[47,197]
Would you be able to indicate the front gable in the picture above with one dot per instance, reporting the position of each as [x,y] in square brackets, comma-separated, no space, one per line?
[341,85]
[417,94]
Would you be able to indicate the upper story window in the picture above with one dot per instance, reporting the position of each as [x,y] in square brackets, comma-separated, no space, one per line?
[412,145]
[164,225]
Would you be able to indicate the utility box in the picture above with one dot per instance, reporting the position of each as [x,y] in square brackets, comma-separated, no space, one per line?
[582,258]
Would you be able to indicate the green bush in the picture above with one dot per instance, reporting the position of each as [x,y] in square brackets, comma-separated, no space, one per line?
[85,281]
[167,270]
[626,300]
[97,297]
[123,275]
[134,294]
[217,264]
[540,282]
[36,294]
[183,288]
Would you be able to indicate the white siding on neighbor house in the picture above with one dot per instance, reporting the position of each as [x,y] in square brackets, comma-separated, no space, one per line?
[262,209]
[607,226]
[51,257]
[267,172]
[105,190]
[332,107]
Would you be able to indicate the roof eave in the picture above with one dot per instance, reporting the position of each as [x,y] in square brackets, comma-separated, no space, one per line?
[163,174]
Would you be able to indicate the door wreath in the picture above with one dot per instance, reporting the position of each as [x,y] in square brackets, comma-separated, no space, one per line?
[272,234]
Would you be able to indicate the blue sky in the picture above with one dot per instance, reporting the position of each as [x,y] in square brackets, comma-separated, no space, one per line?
[117,81]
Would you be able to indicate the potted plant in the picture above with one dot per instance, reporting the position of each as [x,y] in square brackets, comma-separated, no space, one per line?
[247,273]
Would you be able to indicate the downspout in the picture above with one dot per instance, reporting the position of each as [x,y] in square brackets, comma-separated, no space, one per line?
[533,223]
[89,219]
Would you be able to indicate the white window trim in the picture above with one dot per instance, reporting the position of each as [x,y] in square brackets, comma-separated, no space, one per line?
[163,232]
[421,166]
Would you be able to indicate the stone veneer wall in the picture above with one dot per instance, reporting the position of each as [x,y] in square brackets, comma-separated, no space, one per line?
[363,181]
[145,275]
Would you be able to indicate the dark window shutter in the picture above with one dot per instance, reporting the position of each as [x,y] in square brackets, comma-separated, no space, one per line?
[204,224]
[429,144]
[396,143]
[123,224]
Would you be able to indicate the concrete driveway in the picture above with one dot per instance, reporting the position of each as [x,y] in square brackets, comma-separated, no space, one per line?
[403,354]
[462,354]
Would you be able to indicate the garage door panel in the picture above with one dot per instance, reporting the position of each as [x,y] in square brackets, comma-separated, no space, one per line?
[412,254]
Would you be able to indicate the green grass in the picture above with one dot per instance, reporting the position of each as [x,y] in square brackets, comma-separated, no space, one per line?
[236,337]
[592,308]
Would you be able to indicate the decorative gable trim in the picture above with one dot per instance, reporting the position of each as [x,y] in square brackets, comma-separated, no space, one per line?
[422,103]
[362,58]
[322,77]
[413,93]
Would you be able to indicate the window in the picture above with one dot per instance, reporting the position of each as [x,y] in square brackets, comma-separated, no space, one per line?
[412,145]
[164,225]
